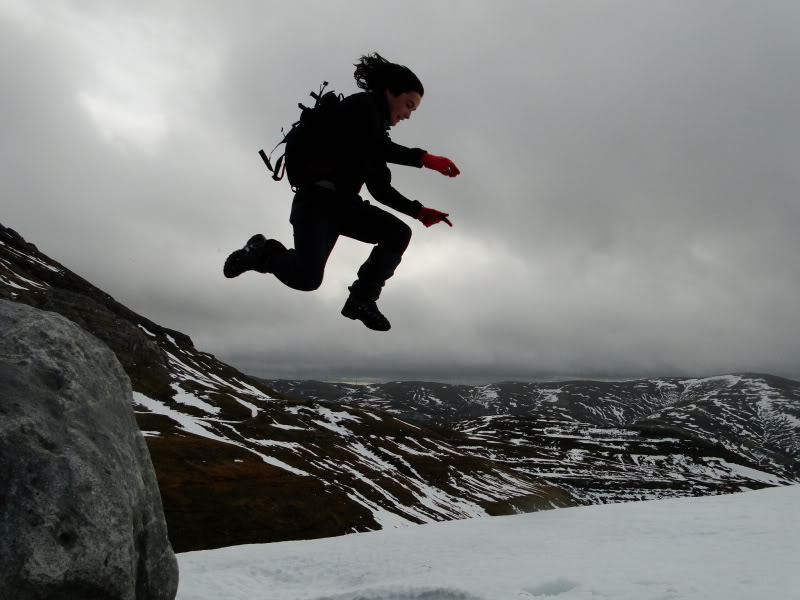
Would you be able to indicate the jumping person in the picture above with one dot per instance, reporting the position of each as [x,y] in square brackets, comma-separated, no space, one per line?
[327,202]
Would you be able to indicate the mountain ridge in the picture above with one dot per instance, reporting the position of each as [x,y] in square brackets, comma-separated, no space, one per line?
[653,402]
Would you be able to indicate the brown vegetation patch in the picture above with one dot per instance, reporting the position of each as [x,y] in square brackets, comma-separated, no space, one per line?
[217,494]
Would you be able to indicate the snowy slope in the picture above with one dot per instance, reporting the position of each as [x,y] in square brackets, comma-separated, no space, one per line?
[735,547]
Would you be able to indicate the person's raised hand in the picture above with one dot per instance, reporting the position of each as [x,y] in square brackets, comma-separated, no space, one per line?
[444,165]
[430,216]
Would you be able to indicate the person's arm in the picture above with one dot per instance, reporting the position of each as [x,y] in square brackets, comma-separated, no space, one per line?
[400,155]
[417,157]
[380,187]
[379,184]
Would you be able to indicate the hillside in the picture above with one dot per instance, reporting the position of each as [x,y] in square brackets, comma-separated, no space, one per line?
[239,463]
[240,460]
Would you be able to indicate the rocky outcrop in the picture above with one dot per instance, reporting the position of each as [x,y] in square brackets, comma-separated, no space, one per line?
[30,277]
[82,515]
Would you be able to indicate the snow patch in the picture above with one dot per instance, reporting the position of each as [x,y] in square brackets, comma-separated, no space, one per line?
[200,427]
[188,423]
[748,473]
[33,284]
[189,399]
[735,547]
[152,335]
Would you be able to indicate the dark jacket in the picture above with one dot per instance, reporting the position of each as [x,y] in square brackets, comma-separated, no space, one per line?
[358,148]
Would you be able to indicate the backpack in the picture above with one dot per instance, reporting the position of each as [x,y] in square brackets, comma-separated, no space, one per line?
[306,139]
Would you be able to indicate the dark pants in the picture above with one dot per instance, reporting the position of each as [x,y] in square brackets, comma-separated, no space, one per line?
[319,217]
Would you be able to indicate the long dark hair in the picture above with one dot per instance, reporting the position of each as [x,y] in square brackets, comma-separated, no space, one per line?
[375,74]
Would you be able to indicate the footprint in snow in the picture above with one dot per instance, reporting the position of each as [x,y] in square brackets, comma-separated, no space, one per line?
[552,588]
[406,594]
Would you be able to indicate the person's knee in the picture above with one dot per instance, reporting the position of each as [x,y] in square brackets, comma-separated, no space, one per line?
[309,281]
[400,238]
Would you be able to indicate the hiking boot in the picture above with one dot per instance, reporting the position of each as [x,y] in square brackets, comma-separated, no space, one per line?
[367,312]
[255,256]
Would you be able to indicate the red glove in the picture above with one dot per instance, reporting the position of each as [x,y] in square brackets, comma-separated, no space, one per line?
[429,217]
[445,166]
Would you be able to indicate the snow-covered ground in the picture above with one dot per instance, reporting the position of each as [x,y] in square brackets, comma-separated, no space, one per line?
[740,546]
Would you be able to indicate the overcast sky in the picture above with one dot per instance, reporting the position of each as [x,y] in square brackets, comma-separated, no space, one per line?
[628,203]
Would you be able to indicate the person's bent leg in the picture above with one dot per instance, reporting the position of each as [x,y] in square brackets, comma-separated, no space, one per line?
[391,237]
[315,234]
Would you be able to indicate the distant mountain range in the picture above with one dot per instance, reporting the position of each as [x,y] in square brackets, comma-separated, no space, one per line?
[608,441]
[243,460]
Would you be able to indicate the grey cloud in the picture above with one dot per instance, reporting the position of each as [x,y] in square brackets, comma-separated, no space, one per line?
[627,203]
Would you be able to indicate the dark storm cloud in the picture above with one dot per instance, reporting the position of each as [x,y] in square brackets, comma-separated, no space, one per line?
[627,203]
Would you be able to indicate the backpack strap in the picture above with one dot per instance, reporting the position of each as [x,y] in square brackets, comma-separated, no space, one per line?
[318,95]
[277,172]
[266,160]
[280,168]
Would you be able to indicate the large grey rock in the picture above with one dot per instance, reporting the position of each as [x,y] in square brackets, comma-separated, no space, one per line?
[80,510]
